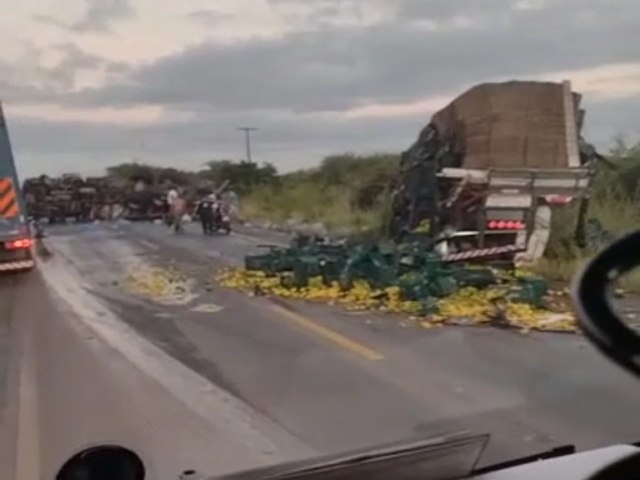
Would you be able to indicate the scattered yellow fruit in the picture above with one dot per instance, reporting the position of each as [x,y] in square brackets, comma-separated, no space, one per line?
[466,306]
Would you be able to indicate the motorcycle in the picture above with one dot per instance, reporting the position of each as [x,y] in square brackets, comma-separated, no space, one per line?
[221,220]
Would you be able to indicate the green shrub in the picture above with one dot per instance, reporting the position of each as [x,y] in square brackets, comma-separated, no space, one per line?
[613,204]
[346,192]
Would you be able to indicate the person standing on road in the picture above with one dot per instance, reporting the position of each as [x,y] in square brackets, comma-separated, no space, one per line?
[206,213]
[172,195]
[178,211]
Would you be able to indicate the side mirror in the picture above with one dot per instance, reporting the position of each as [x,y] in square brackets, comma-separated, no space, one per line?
[103,462]
[592,294]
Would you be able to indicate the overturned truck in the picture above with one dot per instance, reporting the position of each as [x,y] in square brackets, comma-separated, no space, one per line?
[93,198]
[484,175]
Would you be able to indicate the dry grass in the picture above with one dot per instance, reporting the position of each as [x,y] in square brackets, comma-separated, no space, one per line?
[617,215]
[308,203]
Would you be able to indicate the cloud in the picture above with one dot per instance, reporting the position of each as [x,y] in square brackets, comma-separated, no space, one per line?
[39,75]
[609,118]
[98,17]
[439,11]
[288,140]
[49,20]
[208,18]
[317,14]
[342,67]
[323,76]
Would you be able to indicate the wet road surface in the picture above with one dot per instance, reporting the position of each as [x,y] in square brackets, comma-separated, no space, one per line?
[212,379]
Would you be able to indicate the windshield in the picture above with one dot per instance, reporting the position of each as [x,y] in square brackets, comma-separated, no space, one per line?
[272,230]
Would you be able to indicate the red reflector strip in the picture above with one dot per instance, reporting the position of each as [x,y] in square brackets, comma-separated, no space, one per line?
[506,225]
[483,252]
[17,244]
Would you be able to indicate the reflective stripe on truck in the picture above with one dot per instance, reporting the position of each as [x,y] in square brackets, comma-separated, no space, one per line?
[12,266]
[9,207]
[482,253]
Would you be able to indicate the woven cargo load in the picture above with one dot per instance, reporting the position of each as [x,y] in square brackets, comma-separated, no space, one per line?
[512,124]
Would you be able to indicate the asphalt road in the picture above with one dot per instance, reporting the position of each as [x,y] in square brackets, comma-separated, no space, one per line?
[214,380]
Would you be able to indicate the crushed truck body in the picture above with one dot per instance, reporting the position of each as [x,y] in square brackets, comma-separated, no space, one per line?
[93,198]
[72,197]
[488,169]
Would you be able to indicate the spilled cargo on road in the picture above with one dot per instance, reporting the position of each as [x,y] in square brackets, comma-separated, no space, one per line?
[479,185]
[407,278]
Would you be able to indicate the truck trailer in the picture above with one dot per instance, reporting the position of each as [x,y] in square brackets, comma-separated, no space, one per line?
[486,173]
[16,241]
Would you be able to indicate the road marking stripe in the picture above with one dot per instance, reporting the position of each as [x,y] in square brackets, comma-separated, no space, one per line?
[207,308]
[248,238]
[28,459]
[327,333]
[252,239]
[148,244]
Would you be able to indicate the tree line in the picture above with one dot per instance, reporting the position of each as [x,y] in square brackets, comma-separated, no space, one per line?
[243,175]
[368,176]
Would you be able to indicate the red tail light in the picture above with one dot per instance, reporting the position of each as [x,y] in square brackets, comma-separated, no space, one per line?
[18,244]
[506,225]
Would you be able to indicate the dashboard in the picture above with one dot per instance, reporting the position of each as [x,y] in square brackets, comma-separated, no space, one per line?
[579,466]
[619,462]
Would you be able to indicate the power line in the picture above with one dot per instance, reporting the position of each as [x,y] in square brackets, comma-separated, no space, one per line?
[247,134]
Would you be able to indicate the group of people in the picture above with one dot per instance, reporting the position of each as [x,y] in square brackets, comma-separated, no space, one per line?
[209,209]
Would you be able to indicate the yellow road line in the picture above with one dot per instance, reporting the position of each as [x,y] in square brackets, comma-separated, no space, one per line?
[327,333]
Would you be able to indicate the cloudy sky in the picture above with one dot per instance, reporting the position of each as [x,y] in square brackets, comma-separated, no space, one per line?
[90,83]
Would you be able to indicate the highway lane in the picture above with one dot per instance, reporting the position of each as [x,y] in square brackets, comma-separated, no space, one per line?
[318,378]
[8,380]
[77,383]
[363,379]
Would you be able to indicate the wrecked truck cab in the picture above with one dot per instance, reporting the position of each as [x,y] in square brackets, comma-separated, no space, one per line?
[489,168]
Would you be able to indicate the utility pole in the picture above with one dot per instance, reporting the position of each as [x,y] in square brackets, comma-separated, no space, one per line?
[247,135]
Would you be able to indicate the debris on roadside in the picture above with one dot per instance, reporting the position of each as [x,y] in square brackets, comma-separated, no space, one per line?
[404,279]
[164,286]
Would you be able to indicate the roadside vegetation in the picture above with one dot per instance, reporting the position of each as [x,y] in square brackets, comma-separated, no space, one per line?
[614,205]
[346,193]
